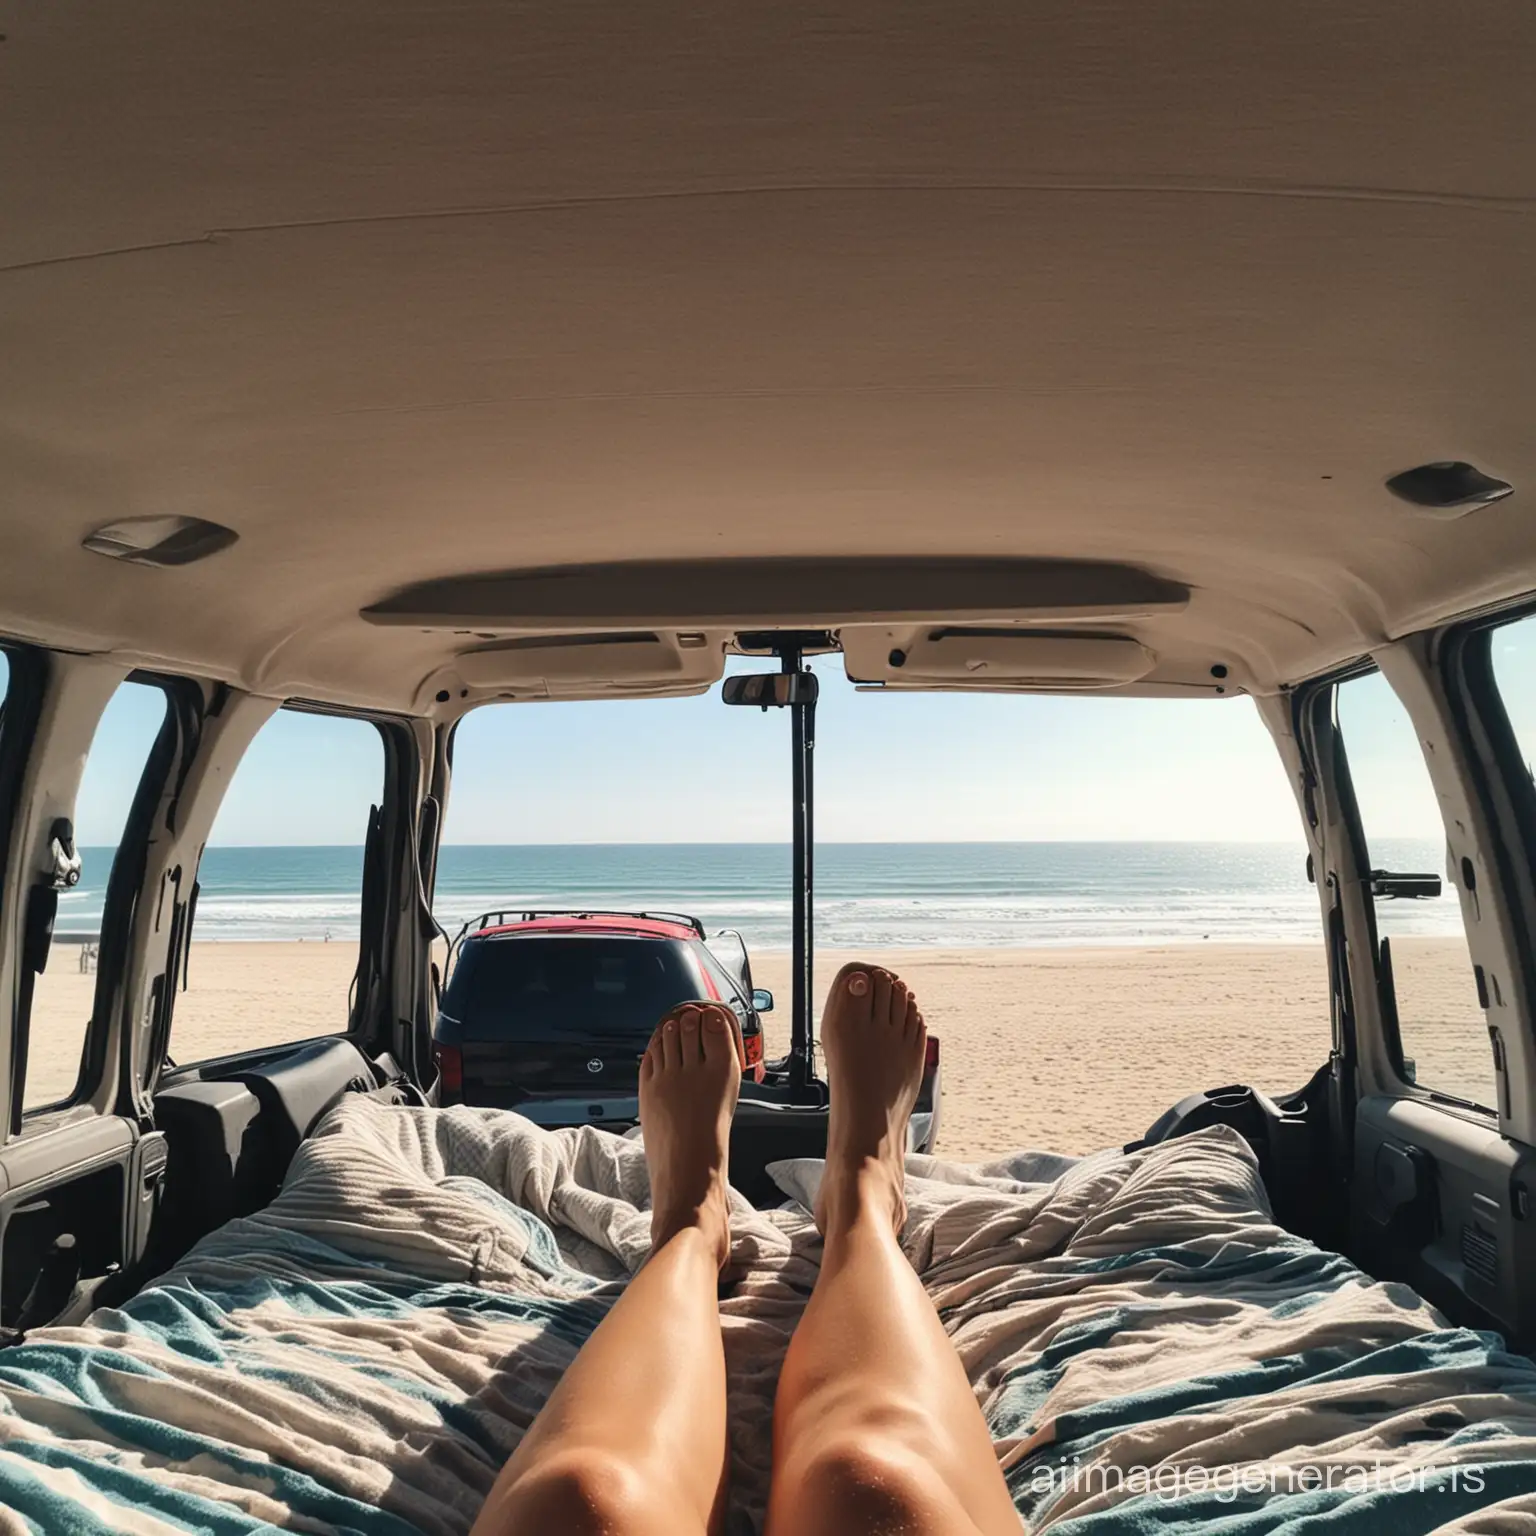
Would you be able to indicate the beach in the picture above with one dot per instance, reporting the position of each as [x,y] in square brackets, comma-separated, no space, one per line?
[1061,1048]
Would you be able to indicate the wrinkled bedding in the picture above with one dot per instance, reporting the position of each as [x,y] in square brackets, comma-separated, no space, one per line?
[1152,1353]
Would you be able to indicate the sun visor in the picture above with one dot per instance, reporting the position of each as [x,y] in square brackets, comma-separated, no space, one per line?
[793,593]
[585,666]
[992,658]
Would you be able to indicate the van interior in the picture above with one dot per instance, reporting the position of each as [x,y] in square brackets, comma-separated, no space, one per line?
[382,364]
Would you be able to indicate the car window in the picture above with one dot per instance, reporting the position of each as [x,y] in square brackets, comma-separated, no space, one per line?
[728,950]
[275,937]
[729,983]
[1442,1027]
[64,995]
[1512,650]
[505,988]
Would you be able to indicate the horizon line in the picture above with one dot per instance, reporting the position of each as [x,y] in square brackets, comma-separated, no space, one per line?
[860,842]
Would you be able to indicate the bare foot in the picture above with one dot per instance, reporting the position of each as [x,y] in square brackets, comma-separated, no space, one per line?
[690,1077]
[874,1040]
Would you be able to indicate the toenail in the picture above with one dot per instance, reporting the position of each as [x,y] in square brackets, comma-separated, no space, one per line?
[858,985]
[713,1020]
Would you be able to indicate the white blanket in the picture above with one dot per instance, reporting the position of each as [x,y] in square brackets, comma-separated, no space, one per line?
[1151,1351]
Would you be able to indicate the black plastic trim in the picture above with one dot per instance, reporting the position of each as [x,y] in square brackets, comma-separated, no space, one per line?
[125,885]
[1316,704]
[20,713]
[1507,795]
[370,1015]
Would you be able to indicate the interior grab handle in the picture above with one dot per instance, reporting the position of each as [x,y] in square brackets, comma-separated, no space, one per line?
[1385,882]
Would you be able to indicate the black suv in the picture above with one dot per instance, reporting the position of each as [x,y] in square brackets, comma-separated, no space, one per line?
[548,1013]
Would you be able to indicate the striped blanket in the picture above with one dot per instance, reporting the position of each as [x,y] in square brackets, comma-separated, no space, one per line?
[1153,1354]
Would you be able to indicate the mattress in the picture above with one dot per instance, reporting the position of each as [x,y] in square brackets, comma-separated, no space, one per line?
[1152,1353]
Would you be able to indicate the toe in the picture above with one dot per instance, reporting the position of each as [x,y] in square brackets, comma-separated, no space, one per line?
[849,1000]
[914,1019]
[719,1034]
[880,992]
[854,981]
[671,1046]
[690,1026]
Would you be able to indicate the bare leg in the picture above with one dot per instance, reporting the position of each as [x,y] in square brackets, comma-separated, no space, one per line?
[876,1429]
[632,1442]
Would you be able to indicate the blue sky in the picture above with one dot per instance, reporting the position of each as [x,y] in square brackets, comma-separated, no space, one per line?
[890,767]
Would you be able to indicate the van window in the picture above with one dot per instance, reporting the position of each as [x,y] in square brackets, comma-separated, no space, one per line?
[1075,881]
[1442,1027]
[1512,651]
[275,937]
[65,992]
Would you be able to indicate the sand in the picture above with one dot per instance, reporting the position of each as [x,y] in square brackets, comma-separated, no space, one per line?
[1070,1049]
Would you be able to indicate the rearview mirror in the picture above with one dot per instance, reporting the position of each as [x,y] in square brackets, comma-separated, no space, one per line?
[762,1000]
[770,689]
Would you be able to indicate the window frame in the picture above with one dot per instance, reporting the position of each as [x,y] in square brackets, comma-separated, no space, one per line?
[739,990]
[1328,794]
[125,879]
[28,668]
[1469,657]
[1442,675]
[1363,1012]
[1385,988]
[21,712]
[366,1013]
[1502,779]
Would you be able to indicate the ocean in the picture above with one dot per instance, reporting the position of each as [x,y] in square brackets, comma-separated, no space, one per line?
[868,895]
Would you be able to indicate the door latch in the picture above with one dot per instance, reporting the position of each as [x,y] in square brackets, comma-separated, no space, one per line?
[65,872]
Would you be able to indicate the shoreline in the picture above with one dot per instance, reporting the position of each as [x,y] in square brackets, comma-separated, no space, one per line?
[884,945]
[69,941]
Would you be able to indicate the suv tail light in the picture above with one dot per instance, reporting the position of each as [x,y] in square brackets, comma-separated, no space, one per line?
[754,1048]
[928,1088]
[450,1073]
[929,1093]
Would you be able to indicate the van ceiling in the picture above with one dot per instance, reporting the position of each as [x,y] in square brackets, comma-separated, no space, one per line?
[409,292]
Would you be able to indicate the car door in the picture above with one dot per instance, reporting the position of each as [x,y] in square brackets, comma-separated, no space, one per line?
[236,1084]
[80,1166]
[1423,777]
[725,954]
[112,1157]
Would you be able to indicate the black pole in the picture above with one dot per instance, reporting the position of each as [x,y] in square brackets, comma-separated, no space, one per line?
[802,1069]
[807,867]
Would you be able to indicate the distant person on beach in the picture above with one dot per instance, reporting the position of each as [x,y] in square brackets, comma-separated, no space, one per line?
[876,1429]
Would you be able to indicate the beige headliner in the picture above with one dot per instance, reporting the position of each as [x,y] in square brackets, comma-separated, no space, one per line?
[401,292]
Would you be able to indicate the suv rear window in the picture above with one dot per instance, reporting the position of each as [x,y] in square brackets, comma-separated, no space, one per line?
[518,987]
